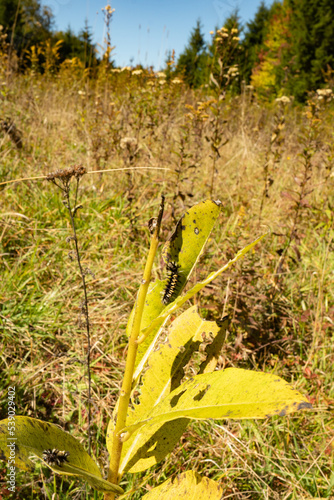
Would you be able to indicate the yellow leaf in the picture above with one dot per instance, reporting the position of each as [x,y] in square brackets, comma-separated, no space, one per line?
[165,372]
[231,393]
[187,486]
[30,437]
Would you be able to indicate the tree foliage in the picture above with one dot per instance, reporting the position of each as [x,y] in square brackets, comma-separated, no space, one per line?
[26,22]
[192,63]
[29,24]
[311,51]
[80,46]
[269,73]
[287,48]
[255,32]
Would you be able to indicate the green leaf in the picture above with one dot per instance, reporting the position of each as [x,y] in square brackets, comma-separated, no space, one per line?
[190,236]
[185,247]
[166,365]
[187,334]
[186,486]
[231,393]
[32,437]
[174,306]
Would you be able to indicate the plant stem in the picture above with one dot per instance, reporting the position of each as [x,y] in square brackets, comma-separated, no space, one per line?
[124,400]
[85,307]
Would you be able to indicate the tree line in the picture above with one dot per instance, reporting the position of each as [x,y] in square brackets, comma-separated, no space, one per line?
[28,24]
[286,49]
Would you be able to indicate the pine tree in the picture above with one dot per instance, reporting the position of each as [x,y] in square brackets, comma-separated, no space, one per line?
[192,63]
[255,33]
[26,22]
[269,74]
[170,65]
[312,45]
[11,16]
[80,46]
[88,55]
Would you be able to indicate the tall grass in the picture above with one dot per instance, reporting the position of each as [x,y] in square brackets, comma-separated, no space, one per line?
[280,299]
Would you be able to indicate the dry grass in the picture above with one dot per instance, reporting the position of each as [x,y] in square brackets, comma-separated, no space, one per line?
[281,298]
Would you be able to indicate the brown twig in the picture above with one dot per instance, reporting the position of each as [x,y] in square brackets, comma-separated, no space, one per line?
[65,176]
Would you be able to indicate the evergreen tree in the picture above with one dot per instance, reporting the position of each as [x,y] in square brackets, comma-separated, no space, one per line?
[312,45]
[86,38]
[192,62]
[80,46]
[254,37]
[294,48]
[270,73]
[26,22]
[232,22]
[10,15]
[170,65]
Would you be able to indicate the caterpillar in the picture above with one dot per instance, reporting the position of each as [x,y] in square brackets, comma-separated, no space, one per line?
[172,283]
[55,457]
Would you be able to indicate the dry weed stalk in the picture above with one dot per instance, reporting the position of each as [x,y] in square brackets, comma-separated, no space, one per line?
[298,197]
[221,77]
[62,179]
[274,152]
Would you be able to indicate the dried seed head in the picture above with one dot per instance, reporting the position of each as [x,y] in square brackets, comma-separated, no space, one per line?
[66,174]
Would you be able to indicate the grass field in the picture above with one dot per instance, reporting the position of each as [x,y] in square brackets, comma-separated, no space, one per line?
[150,137]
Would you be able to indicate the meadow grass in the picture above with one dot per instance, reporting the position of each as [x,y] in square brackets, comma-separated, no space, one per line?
[275,170]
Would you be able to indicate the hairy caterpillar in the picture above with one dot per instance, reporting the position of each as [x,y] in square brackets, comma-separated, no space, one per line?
[172,283]
[55,457]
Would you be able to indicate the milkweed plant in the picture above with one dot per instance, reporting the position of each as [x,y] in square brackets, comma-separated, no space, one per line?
[140,434]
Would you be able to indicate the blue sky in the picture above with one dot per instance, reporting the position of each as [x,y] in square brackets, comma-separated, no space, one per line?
[144,30]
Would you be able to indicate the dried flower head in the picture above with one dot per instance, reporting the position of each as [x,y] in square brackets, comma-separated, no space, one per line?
[109,10]
[324,94]
[284,99]
[66,174]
